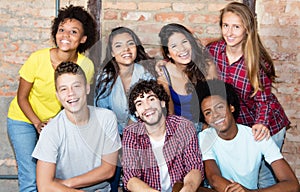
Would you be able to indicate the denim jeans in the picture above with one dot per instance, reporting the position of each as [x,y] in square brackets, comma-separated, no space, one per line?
[23,137]
[266,177]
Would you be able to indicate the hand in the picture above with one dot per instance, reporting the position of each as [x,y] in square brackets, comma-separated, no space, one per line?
[260,132]
[39,126]
[235,187]
[158,67]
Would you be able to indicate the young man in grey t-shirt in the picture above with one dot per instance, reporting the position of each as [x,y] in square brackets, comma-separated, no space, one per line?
[77,150]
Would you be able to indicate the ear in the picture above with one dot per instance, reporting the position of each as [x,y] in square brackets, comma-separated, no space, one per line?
[83,39]
[88,88]
[163,104]
[136,114]
[112,54]
[232,109]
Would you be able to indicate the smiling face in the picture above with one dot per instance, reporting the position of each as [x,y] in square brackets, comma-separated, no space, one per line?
[72,92]
[180,49]
[149,109]
[218,115]
[233,30]
[69,35]
[124,49]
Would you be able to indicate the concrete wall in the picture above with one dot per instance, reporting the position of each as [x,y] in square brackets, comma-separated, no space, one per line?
[25,27]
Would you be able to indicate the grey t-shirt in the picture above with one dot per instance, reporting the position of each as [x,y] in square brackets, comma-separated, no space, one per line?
[78,149]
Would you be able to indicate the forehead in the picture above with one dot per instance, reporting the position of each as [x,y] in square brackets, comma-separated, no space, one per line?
[68,78]
[73,22]
[230,17]
[122,37]
[211,101]
[176,37]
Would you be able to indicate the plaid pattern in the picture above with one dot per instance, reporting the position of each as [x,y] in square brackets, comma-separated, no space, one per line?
[264,107]
[181,151]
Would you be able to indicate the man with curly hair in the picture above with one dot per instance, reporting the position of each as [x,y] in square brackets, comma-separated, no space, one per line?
[160,149]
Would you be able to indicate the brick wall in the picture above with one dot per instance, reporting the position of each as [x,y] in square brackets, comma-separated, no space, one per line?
[25,28]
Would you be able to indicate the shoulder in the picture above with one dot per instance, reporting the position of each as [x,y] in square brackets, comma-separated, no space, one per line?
[42,51]
[180,123]
[40,54]
[102,113]
[215,45]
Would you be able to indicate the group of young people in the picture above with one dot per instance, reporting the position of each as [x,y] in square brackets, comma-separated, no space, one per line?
[201,118]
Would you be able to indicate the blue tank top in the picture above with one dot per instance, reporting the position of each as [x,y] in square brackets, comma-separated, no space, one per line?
[182,103]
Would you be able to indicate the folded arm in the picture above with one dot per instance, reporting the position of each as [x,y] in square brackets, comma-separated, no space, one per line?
[46,180]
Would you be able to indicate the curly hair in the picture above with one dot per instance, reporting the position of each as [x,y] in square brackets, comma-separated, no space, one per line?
[212,87]
[145,86]
[68,67]
[110,68]
[197,69]
[88,23]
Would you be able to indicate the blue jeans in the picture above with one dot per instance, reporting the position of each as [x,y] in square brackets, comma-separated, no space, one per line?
[266,177]
[23,137]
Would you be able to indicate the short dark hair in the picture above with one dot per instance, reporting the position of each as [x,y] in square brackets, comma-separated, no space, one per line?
[68,67]
[145,86]
[88,23]
[226,91]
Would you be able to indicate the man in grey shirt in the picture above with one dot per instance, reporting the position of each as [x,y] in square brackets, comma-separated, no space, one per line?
[77,150]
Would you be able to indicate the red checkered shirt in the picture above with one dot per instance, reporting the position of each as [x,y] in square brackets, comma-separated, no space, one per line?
[264,107]
[181,151]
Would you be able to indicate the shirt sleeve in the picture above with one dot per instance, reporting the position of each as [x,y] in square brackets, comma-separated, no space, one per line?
[28,69]
[112,137]
[192,153]
[47,146]
[263,100]
[206,140]
[270,150]
[130,161]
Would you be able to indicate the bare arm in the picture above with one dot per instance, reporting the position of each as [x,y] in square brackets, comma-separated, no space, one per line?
[105,171]
[135,184]
[214,176]
[287,179]
[212,71]
[45,178]
[192,181]
[22,95]
[161,80]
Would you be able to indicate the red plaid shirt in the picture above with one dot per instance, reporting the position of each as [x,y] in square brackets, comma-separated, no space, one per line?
[181,151]
[264,107]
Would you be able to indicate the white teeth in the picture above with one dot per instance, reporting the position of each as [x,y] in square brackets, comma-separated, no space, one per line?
[126,55]
[184,54]
[72,100]
[65,41]
[149,113]
[219,121]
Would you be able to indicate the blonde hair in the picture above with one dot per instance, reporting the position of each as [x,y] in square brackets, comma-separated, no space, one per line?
[255,54]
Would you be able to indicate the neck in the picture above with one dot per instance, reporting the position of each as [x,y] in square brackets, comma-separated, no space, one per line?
[233,53]
[126,70]
[79,118]
[230,133]
[59,56]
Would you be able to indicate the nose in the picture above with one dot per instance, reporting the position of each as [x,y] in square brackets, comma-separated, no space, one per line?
[181,47]
[70,91]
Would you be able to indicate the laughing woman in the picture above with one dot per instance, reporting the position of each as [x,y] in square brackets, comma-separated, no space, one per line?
[120,70]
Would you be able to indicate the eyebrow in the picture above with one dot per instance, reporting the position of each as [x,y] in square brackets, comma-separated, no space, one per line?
[151,95]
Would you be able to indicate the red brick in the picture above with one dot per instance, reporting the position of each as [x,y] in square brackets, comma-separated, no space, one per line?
[170,17]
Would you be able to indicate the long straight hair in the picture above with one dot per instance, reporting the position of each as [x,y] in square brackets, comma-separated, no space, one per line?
[255,54]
